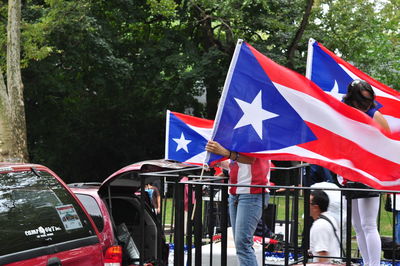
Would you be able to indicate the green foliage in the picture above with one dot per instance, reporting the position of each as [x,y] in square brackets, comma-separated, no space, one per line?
[112,80]
[162,7]
[366,34]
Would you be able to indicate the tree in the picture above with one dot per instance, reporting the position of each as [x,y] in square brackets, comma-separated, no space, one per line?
[299,33]
[116,69]
[13,141]
[213,27]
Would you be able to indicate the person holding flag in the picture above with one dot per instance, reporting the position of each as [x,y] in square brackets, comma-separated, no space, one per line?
[245,203]
[365,205]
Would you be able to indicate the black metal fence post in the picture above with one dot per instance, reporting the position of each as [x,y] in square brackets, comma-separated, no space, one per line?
[295,228]
[287,224]
[173,209]
[394,243]
[179,225]
[263,207]
[224,225]
[160,228]
[348,232]
[198,224]
[211,213]
[142,195]
[307,226]
[189,225]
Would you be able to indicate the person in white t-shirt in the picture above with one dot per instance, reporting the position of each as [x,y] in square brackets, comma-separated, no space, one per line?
[323,233]
[337,206]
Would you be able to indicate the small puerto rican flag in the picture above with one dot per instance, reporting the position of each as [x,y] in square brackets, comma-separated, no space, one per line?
[186,137]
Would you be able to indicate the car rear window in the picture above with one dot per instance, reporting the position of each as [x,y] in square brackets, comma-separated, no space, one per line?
[36,210]
[93,209]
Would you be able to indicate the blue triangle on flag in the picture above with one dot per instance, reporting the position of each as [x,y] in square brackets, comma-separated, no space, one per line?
[192,142]
[284,130]
[325,71]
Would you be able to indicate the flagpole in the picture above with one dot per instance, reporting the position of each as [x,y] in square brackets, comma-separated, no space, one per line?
[310,52]
[224,93]
[166,155]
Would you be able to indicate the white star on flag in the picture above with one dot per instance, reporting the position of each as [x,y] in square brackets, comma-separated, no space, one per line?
[253,114]
[335,92]
[182,143]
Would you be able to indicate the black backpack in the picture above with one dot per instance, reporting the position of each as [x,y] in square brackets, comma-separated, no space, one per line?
[388,246]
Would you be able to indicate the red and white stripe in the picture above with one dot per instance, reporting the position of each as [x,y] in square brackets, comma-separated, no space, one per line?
[195,122]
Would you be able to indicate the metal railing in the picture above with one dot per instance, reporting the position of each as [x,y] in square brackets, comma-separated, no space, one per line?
[190,245]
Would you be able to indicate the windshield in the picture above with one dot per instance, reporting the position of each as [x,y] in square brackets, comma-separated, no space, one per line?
[36,211]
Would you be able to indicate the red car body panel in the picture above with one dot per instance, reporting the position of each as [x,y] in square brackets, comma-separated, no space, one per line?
[90,255]
[107,236]
[31,262]
[84,256]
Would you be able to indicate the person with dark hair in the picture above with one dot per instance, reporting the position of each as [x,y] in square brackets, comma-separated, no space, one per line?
[245,203]
[337,204]
[324,240]
[320,199]
[365,205]
[361,96]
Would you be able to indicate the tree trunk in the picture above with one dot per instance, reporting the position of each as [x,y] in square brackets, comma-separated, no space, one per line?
[6,136]
[13,143]
[299,33]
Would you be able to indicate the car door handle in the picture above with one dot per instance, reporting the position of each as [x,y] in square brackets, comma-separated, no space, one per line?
[54,261]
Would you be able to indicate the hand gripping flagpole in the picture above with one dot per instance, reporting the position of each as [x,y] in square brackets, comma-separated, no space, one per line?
[223,99]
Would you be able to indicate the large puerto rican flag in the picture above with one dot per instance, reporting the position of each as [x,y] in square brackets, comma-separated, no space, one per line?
[332,74]
[186,136]
[268,110]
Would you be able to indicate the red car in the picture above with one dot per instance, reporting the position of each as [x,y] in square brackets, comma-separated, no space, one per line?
[43,223]
[115,207]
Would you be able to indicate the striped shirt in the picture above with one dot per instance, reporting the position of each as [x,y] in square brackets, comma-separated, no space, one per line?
[256,173]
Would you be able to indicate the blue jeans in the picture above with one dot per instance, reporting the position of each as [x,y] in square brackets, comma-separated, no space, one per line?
[397,228]
[245,211]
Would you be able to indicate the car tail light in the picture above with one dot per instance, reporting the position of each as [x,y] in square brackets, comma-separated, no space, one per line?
[113,256]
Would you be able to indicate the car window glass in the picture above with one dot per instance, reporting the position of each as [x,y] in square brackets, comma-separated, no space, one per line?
[93,209]
[36,211]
